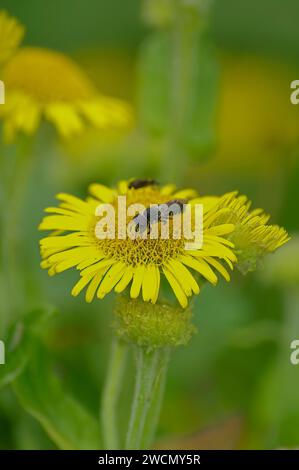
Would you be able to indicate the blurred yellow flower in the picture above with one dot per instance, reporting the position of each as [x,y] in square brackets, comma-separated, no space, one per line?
[11,35]
[43,84]
[107,264]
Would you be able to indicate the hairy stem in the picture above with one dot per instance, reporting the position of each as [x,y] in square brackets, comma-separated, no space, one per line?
[147,396]
[156,401]
[111,394]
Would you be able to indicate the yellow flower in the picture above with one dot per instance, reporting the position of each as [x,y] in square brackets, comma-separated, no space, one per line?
[43,84]
[107,264]
[252,237]
[11,35]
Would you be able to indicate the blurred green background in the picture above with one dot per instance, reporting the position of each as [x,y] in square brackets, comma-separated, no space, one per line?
[233,386]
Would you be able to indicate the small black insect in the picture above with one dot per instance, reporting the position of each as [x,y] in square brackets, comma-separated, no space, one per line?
[158,213]
[178,206]
[142,183]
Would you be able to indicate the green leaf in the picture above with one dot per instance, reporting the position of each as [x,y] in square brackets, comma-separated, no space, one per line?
[15,363]
[42,395]
[18,343]
[28,368]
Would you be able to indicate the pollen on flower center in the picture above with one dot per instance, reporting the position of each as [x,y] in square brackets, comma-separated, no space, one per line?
[47,76]
[142,251]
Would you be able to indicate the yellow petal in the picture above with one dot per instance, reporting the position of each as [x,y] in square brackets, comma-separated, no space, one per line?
[123,187]
[105,112]
[61,222]
[91,290]
[76,203]
[208,202]
[219,268]
[101,192]
[176,287]
[216,249]
[83,281]
[200,266]
[65,118]
[149,283]
[156,293]
[183,276]
[137,282]
[214,239]
[111,279]
[168,189]
[185,194]
[222,229]
[104,263]
[125,280]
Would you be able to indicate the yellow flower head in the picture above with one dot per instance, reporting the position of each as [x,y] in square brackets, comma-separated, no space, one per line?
[252,237]
[11,35]
[107,264]
[43,84]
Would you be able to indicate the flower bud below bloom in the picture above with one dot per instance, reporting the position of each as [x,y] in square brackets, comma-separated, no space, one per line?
[152,325]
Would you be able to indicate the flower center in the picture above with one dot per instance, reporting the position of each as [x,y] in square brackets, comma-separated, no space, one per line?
[47,76]
[142,251]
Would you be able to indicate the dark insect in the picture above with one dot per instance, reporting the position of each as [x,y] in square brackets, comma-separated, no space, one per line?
[178,206]
[142,220]
[158,213]
[142,183]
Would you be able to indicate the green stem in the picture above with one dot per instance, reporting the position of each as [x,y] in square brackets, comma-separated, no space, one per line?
[111,394]
[14,186]
[148,388]
[182,39]
[156,404]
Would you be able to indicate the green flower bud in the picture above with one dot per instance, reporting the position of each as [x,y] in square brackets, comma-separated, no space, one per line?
[152,325]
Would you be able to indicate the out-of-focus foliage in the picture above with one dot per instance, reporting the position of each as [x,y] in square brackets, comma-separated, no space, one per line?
[237,368]
[67,423]
[158,98]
